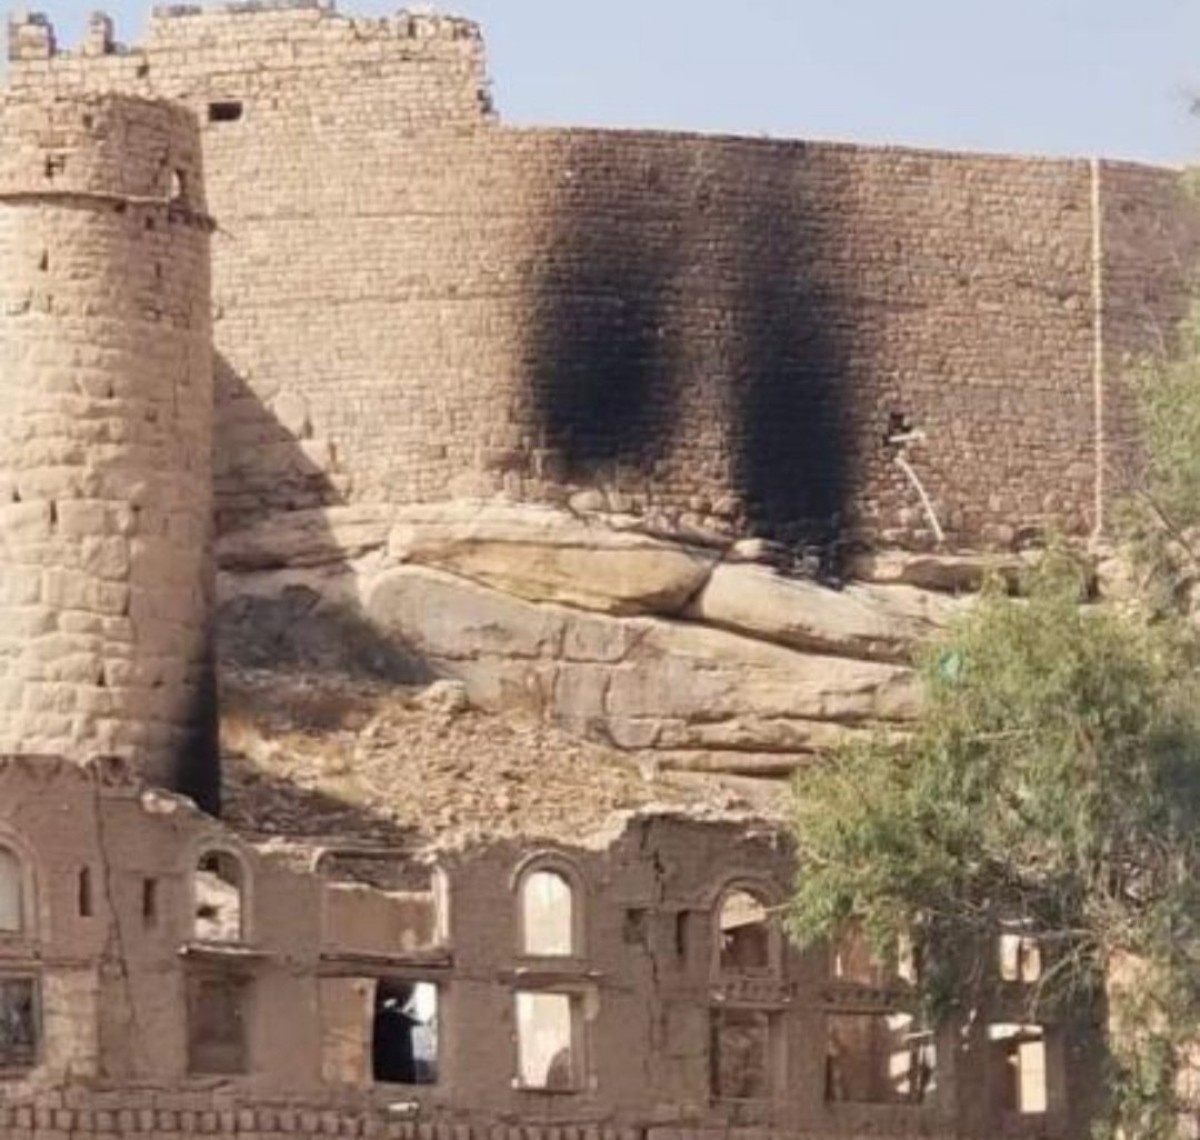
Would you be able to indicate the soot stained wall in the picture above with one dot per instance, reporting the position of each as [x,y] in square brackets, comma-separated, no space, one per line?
[711,330]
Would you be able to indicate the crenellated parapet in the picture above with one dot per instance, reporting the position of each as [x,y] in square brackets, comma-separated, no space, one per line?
[433,63]
[30,37]
[32,34]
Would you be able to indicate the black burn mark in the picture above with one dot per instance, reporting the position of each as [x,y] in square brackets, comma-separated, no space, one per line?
[789,388]
[602,384]
[689,303]
[197,771]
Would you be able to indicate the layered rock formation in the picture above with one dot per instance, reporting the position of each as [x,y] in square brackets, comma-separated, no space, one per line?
[679,649]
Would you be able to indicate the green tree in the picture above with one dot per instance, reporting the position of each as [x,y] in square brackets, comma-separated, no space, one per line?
[1158,522]
[1052,785]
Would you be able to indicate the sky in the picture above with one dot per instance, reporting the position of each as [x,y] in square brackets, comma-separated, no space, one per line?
[1059,77]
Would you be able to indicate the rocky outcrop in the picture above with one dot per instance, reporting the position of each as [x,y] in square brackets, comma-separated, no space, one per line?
[546,555]
[639,682]
[881,623]
[946,573]
[315,537]
[684,653]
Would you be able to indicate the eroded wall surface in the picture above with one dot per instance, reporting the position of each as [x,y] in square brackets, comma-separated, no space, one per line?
[414,304]
[129,1032]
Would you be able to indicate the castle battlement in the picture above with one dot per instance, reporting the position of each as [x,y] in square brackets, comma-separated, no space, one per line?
[32,35]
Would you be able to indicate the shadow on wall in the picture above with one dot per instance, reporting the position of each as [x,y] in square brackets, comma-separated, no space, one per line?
[259,461]
[300,630]
[690,327]
[288,625]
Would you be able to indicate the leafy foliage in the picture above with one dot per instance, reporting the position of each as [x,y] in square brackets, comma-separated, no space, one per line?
[1159,521]
[1053,782]
[1168,388]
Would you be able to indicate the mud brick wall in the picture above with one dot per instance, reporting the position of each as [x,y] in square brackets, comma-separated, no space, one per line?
[413,303]
[82,1114]
[105,433]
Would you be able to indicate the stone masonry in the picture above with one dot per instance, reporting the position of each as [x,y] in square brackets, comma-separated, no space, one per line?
[105,434]
[416,304]
[510,411]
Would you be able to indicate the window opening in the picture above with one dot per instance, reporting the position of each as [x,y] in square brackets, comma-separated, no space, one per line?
[682,919]
[852,959]
[873,1058]
[635,927]
[745,933]
[547,1041]
[18,1023]
[420,888]
[218,1015]
[404,1043]
[219,898]
[11,893]
[741,1054]
[1020,958]
[1020,1051]
[547,915]
[226,112]
[85,892]
[150,901]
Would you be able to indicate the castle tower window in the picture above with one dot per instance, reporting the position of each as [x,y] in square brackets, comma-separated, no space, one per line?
[548,917]
[225,112]
[218,1010]
[745,938]
[404,1044]
[219,894]
[878,1058]
[85,892]
[1018,1068]
[150,902]
[549,1041]
[12,894]
[18,1023]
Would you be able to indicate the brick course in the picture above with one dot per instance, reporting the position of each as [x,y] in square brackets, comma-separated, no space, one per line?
[413,303]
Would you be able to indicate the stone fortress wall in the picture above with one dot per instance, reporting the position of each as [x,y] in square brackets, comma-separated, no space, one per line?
[105,437]
[414,303]
[411,304]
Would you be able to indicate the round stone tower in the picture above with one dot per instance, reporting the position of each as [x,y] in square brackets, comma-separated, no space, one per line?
[106,437]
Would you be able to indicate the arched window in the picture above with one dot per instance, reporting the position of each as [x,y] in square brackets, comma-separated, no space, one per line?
[548,914]
[12,893]
[744,933]
[219,894]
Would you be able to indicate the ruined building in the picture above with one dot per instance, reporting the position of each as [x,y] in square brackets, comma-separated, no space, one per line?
[424,545]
